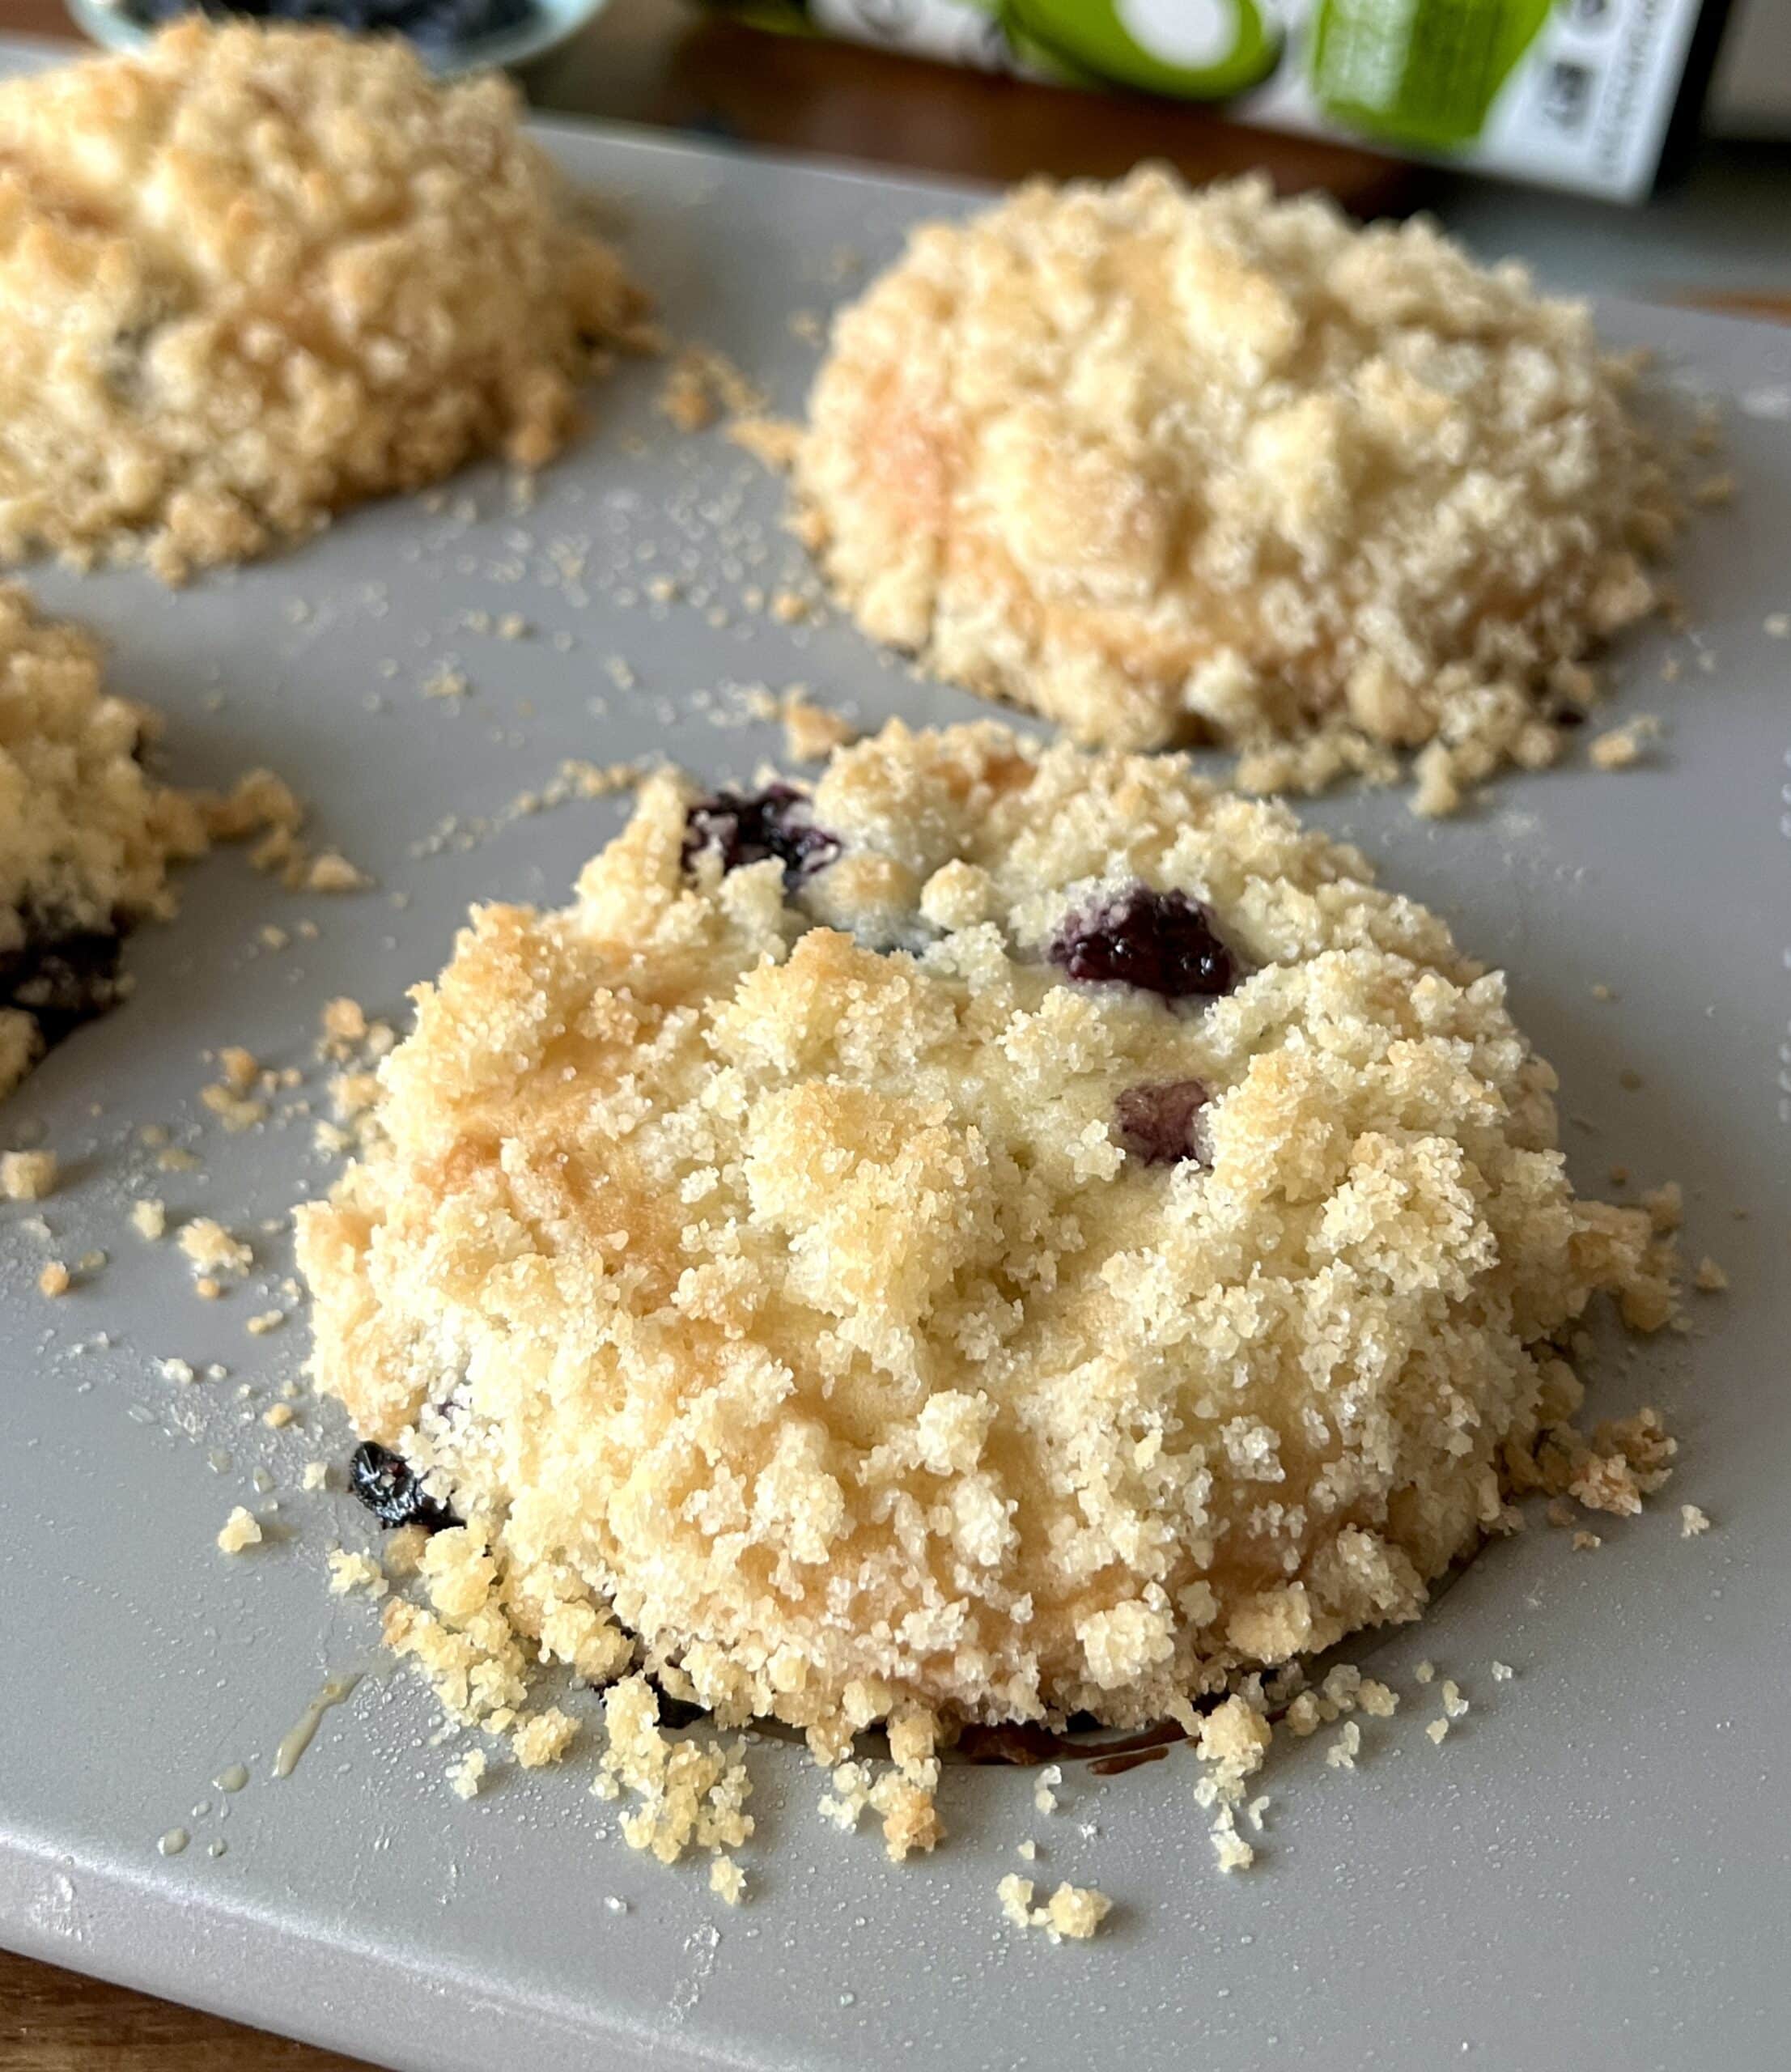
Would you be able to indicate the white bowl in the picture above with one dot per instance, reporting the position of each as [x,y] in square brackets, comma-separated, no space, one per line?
[552,22]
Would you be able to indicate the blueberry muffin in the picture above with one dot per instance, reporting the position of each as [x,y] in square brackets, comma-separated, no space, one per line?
[1167,465]
[86,836]
[1011,1232]
[254,275]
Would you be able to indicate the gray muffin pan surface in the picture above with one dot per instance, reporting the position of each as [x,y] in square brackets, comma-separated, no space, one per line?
[1590,1872]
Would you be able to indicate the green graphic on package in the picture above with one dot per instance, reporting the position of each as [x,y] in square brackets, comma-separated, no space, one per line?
[1418,72]
[1422,72]
[1199,49]
[1580,93]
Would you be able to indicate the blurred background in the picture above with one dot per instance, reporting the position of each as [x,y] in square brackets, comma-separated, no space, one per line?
[1638,146]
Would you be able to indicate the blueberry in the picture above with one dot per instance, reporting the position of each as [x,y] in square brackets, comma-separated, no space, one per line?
[61,976]
[1160,1124]
[392,1492]
[747,827]
[1162,942]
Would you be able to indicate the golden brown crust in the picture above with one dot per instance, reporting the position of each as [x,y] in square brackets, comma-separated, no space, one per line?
[1166,466]
[253,275]
[765,1264]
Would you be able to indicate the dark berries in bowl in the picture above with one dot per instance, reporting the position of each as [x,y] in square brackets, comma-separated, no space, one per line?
[1162,1124]
[748,827]
[1162,942]
[392,1492]
[433,25]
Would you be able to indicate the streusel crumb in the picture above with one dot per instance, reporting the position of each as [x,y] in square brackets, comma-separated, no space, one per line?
[240,1530]
[1230,1850]
[1147,1259]
[1621,748]
[253,275]
[210,1249]
[27,1175]
[811,731]
[467,1774]
[689,1794]
[352,1571]
[1073,1912]
[701,385]
[1168,464]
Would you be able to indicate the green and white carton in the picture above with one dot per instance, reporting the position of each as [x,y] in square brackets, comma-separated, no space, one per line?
[1566,93]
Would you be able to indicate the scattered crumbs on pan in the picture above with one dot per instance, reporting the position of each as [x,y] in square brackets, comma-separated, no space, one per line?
[446,681]
[702,384]
[774,441]
[1620,748]
[210,1249]
[27,1175]
[812,732]
[467,1773]
[1693,1521]
[1072,1914]
[239,1531]
[350,1570]
[331,872]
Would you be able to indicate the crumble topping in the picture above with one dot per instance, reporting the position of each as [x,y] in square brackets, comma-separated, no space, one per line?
[776,1203]
[688,1794]
[1167,465]
[253,275]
